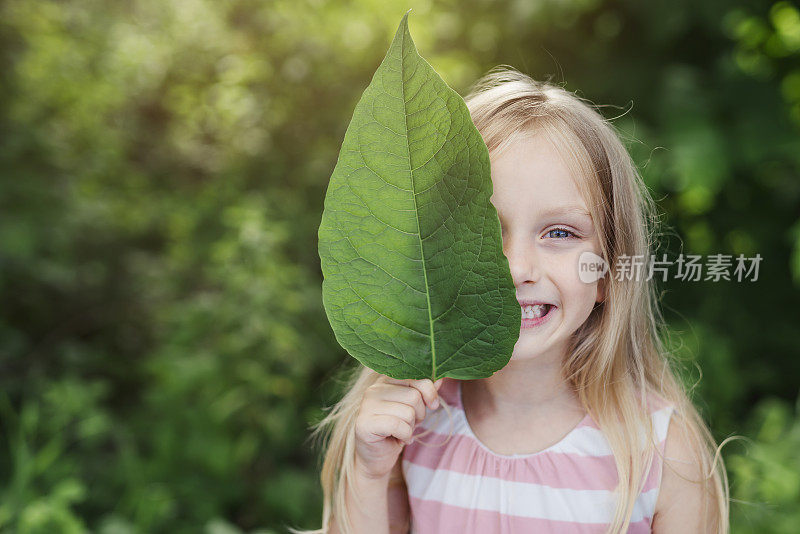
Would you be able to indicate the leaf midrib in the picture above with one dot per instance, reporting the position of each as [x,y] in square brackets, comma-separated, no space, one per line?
[416,207]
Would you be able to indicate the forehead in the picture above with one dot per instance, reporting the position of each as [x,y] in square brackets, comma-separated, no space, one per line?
[531,174]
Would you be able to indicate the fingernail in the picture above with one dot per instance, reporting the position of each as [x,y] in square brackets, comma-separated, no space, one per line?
[435,404]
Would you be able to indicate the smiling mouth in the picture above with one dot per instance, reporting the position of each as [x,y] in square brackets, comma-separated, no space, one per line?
[536,311]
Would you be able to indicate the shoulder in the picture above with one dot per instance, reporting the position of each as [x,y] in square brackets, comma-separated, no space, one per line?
[655,403]
[679,507]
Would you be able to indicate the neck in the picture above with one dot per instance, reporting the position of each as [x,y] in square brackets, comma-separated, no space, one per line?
[524,385]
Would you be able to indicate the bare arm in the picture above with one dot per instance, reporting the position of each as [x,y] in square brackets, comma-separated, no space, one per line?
[377,499]
[373,513]
[679,506]
[384,504]
[399,510]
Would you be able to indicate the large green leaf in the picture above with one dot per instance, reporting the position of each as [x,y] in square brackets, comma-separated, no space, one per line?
[415,281]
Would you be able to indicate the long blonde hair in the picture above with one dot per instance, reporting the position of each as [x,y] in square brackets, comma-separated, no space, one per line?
[617,357]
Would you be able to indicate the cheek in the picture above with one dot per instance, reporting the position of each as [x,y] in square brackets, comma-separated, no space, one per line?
[573,290]
[564,266]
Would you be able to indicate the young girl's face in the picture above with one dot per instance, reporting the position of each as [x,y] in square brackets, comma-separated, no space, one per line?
[546,227]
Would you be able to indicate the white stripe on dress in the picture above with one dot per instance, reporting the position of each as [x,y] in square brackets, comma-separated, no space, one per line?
[582,441]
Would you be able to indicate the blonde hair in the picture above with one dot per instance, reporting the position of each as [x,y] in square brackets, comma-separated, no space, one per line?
[617,358]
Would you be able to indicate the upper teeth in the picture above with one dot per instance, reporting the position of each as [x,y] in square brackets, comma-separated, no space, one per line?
[535,311]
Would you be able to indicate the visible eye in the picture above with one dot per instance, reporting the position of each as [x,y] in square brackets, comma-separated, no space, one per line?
[563,233]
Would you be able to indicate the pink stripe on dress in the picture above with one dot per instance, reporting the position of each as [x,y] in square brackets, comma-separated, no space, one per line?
[546,469]
[435,517]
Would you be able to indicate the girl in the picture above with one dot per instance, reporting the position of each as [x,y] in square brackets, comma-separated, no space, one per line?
[587,428]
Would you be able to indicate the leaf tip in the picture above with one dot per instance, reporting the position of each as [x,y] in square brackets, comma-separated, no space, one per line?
[402,33]
[404,21]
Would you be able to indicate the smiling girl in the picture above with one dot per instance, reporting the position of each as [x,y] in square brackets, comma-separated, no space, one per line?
[587,428]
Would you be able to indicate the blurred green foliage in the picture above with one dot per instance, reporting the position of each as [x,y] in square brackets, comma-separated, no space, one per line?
[163,347]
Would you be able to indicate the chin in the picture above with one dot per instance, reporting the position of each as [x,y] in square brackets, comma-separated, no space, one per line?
[526,351]
[522,357]
[529,347]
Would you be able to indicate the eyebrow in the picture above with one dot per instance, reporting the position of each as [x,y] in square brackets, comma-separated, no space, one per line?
[566,210]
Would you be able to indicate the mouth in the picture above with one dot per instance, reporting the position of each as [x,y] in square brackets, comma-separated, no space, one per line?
[536,314]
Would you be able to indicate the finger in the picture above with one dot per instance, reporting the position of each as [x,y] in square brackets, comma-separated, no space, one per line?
[385,425]
[425,386]
[401,410]
[402,394]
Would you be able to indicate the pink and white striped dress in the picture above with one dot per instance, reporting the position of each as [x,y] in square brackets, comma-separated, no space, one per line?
[463,487]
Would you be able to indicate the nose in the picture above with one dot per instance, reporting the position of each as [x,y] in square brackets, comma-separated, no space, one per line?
[523,260]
